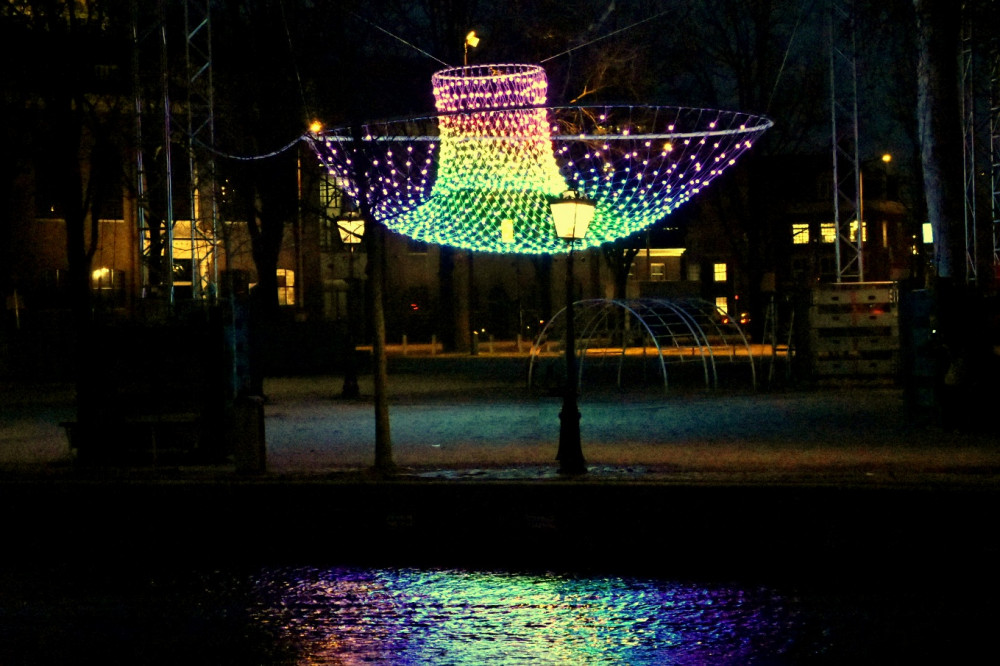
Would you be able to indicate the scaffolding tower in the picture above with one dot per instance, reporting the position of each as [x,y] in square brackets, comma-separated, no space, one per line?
[175,253]
[203,225]
[968,106]
[152,159]
[995,151]
[980,54]
[847,211]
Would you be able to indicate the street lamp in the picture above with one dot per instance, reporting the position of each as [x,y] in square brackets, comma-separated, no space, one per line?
[470,40]
[352,229]
[572,214]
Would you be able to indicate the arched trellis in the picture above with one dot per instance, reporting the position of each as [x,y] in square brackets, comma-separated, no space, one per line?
[680,330]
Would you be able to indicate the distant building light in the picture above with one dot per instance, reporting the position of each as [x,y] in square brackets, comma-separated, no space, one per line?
[800,234]
[828,232]
[720,272]
[928,233]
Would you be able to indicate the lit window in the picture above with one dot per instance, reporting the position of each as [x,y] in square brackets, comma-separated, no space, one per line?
[854,232]
[828,232]
[928,233]
[657,272]
[800,234]
[722,303]
[286,286]
[720,273]
[108,285]
[100,277]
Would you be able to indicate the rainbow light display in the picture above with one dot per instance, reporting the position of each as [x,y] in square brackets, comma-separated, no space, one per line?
[479,175]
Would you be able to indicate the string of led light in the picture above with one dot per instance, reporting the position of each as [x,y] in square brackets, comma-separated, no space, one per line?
[494,154]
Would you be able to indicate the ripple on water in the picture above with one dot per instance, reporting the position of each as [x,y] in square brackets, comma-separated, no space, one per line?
[464,617]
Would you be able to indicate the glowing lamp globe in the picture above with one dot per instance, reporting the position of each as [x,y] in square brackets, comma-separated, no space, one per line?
[481,173]
[352,228]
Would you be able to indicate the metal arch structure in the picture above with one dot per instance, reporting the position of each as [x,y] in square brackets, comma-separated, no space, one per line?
[678,330]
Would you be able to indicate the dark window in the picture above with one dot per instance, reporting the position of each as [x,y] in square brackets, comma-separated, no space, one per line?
[327,234]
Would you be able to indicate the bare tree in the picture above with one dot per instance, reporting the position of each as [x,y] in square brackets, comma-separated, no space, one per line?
[75,117]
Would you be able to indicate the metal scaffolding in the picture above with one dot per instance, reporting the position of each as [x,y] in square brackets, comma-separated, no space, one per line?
[995,151]
[200,144]
[152,209]
[848,250]
[172,252]
[968,102]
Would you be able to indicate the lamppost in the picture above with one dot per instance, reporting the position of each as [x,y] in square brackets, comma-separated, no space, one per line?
[572,214]
[470,40]
[352,229]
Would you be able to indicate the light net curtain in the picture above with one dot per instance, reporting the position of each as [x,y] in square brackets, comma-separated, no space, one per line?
[494,155]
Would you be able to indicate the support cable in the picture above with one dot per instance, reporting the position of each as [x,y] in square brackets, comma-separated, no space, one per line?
[410,44]
[295,66]
[784,59]
[610,34]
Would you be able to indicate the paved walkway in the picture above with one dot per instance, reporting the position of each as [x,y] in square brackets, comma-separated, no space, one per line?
[827,482]
[464,418]
[459,425]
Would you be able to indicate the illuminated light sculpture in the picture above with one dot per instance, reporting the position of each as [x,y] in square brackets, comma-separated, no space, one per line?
[480,173]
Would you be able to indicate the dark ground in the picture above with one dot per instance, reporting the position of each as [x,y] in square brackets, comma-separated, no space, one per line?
[789,474]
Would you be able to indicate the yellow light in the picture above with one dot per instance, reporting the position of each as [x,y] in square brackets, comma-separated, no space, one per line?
[507,231]
[886,158]
[572,214]
[315,127]
[471,39]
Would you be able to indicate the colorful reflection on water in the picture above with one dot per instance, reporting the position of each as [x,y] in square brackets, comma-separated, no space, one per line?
[336,616]
[309,615]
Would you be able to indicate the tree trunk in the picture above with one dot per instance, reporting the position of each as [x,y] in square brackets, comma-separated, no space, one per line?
[375,233]
[453,299]
[375,245]
[939,126]
[963,352]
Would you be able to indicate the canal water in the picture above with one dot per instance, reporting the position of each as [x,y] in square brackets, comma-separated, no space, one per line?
[310,615]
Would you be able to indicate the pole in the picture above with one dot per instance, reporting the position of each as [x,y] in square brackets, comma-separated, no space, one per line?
[570,453]
[351,389]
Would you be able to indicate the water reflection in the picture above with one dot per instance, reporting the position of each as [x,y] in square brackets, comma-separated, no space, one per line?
[336,616]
